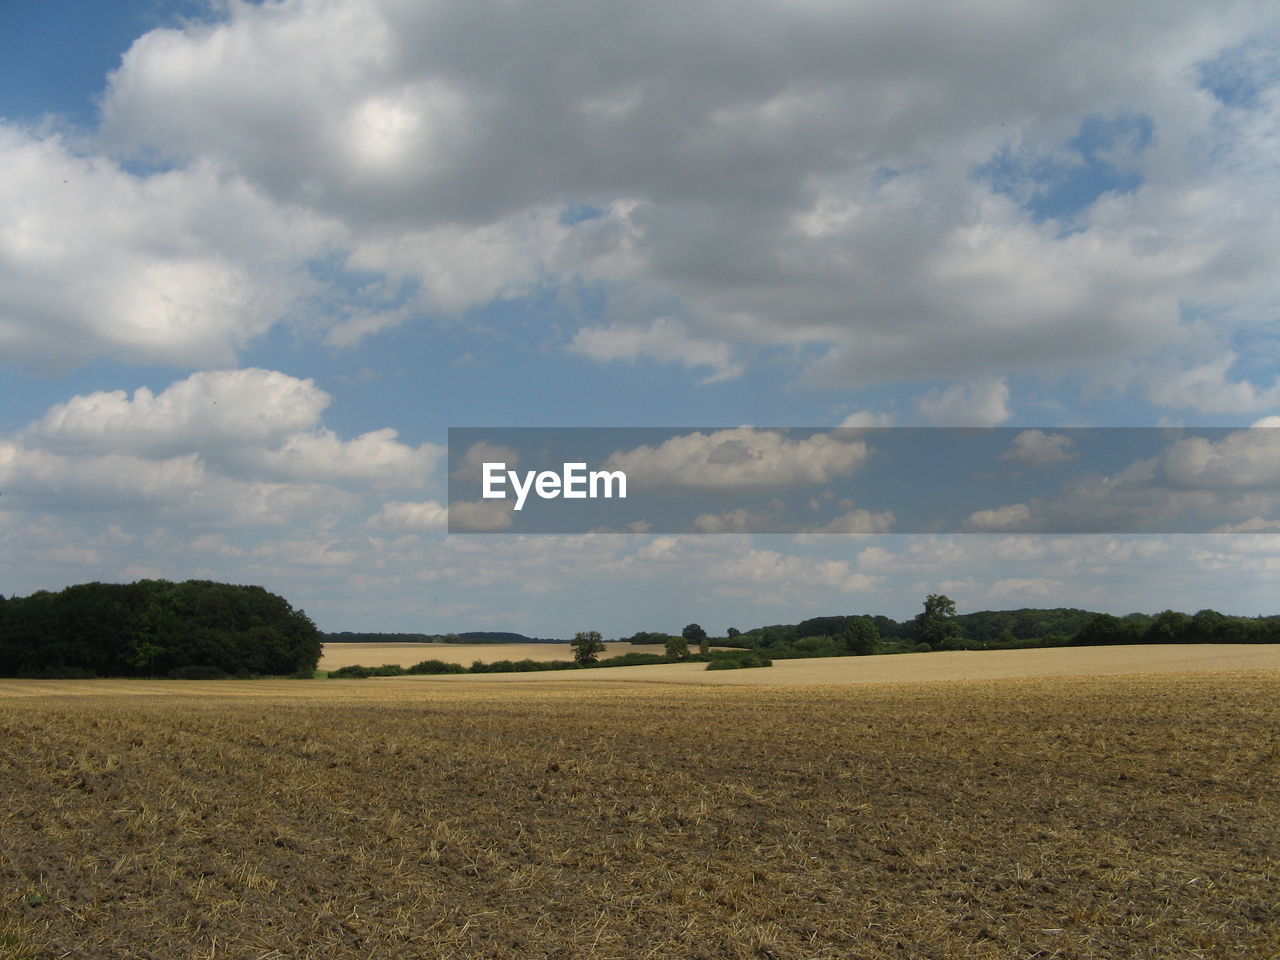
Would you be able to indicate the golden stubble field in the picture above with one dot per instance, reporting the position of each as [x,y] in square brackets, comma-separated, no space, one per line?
[407,654]
[906,668]
[1067,817]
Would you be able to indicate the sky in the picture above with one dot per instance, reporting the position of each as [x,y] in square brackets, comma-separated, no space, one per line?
[256,260]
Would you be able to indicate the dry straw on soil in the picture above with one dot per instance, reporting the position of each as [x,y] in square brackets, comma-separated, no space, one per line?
[1064,818]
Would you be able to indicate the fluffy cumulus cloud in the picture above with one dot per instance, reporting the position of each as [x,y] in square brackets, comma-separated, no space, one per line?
[1209,387]
[423,517]
[775,521]
[1015,516]
[783,577]
[179,267]
[1231,484]
[662,339]
[868,419]
[981,404]
[1240,460]
[743,458]
[1036,448]
[866,184]
[226,445]
[215,409]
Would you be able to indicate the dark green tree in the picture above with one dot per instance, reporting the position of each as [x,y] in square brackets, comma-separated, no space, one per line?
[677,647]
[1006,640]
[1169,626]
[587,646]
[1206,626]
[693,633]
[936,626]
[859,637]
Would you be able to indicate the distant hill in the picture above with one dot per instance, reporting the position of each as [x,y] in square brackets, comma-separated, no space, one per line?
[475,636]
[497,636]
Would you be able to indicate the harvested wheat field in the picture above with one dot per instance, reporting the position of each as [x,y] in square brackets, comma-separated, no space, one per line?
[407,654]
[910,668]
[1068,818]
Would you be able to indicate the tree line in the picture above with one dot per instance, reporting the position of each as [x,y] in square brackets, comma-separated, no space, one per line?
[155,628]
[475,636]
[938,627]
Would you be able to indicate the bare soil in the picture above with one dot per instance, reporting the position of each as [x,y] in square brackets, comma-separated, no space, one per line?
[1066,818]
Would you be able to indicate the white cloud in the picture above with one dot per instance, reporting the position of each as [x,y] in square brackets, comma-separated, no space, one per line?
[1252,525]
[663,340]
[742,458]
[236,446]
[1192,481]
[181,267]
[783,577]
[1024,591]
[207,409]
[860,521]
[1242,459]
[773,521]
[1206,387]
[107,481]
[868,418]
[426,517]
[374,460]
[480,516]
[1035,448]
[735,521]
[478,454]
[251,424]
[1015,516]
[980,404]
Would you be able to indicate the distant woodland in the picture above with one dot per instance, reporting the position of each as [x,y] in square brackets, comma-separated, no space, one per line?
[938,627]
[193,629]
[478,636]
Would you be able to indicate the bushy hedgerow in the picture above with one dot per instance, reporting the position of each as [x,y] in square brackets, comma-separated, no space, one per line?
[436,666]
[738,660]
[521,666]
[357,672]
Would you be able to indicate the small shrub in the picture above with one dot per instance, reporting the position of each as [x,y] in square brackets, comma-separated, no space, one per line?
[357,672]
[436,666]
[352,672]
[738,660]
[637,659]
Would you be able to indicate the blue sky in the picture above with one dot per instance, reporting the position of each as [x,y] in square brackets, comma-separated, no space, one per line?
[255,260]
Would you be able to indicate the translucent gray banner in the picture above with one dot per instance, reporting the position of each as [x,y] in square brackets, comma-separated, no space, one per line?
[810,480]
